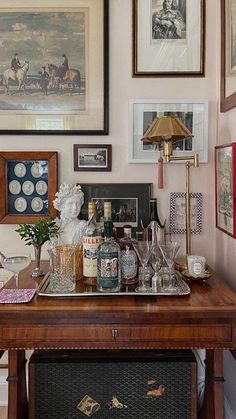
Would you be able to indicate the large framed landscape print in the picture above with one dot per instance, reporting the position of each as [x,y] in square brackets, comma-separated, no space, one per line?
[54,67]
[168,38]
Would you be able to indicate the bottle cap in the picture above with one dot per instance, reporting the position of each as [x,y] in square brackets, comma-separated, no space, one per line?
[127,229]
[91,209]
[107,210]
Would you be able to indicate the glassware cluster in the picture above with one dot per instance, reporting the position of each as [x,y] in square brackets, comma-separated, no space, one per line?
[106,262]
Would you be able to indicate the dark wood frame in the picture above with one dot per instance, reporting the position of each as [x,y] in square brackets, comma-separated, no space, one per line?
[52,158]
[233,178]
[78,168]
[226,102]
[105,129]
[197,73]
[142,191]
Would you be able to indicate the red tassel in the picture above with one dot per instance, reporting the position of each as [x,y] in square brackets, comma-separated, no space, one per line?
[160,173]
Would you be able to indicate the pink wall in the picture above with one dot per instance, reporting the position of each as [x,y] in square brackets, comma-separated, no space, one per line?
[123,88]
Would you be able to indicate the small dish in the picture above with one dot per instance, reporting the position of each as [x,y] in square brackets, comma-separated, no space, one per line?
[41,187]
[36,170]
[20,170]
[14,187]
[37,204]
[206,275]
[28,187]
[20,204]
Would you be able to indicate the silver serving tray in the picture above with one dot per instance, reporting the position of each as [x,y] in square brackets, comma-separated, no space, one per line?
[86,289]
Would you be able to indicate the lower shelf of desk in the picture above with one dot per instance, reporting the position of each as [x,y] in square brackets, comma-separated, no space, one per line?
[119,384]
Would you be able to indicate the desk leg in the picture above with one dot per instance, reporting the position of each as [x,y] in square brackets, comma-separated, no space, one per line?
[17,393]
[213,404]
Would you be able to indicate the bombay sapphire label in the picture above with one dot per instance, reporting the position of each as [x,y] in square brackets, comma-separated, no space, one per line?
[108,269]
[128,264]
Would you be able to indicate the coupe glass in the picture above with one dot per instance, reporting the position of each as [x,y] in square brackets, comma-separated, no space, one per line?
[143,250]
[15,262]
[169,252]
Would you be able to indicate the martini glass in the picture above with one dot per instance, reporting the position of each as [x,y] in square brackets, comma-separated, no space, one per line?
[156,261]
[15,262]
[169,251]
[143,250]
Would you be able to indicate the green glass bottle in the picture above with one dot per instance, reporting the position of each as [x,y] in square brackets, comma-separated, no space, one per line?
[108,262]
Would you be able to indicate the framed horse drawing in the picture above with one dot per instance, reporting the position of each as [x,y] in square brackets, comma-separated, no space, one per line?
[54,68]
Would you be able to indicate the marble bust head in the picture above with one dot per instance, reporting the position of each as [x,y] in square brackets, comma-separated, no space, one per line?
[69,200]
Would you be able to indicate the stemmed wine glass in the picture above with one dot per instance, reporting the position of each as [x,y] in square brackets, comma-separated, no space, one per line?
[143,250]
[156,260]
[169,252]
[15,262]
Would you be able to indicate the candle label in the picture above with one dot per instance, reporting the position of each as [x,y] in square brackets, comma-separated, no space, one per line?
[197,268]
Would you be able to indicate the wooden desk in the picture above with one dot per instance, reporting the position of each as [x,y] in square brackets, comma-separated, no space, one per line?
[204,319]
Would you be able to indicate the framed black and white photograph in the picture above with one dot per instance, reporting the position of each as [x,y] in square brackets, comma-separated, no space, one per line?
[168,38]
[124,210]
[30,181]
[193,114]
[54,76]
[129,202]
[92,157]
[178,213]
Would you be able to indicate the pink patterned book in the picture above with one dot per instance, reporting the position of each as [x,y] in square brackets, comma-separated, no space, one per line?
[16,295]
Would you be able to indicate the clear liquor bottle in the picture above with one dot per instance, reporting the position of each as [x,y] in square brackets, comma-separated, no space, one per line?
[156,229]
[108,262]
[129,263]
[91,240]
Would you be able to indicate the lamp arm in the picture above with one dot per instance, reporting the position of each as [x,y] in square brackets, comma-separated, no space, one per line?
[195,159]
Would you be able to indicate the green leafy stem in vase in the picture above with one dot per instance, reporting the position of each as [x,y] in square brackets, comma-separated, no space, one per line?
[40,232]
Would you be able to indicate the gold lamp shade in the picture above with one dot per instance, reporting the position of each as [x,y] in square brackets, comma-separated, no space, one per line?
[167,128]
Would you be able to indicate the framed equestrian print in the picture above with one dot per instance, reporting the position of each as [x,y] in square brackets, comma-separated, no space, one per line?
[54,68]
[168,38]
[29,185]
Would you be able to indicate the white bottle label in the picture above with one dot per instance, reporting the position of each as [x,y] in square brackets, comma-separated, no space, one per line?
[90,246]
[128,264]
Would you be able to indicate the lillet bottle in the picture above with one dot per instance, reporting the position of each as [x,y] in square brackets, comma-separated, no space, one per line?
[91,240]
[108,262]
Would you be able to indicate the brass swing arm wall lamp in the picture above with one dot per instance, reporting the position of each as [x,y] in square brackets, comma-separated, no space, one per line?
[168,130]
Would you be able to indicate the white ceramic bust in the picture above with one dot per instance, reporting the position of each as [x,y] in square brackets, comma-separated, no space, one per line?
[68,202]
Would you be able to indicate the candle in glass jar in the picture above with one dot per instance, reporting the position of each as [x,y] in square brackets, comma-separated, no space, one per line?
[196,265]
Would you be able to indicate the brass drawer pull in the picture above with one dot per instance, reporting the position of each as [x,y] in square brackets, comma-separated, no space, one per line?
[114,333]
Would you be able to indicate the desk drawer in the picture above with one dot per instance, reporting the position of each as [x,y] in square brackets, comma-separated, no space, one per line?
[121,333]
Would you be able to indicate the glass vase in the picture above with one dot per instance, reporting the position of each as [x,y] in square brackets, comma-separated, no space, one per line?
[37,270]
